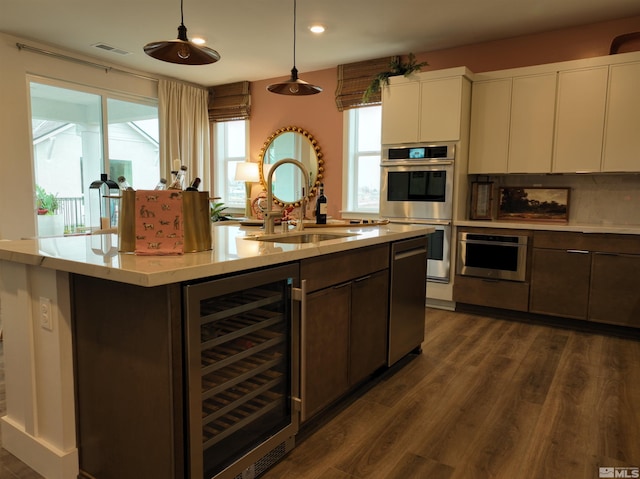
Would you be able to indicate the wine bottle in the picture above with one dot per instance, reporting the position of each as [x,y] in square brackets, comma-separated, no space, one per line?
[321,207]
[194,184]
[178,182]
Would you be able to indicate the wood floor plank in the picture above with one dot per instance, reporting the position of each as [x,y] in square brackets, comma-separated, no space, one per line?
[564,437]
[490,398]
[618,403]
[411,466]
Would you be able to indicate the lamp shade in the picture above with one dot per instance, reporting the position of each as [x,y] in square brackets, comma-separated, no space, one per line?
[247,171]
[181,51]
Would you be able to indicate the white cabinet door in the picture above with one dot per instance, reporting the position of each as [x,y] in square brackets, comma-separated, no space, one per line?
[533,104]
[622,133]
[440,105]
[490,116]
[580,120]
[400,113]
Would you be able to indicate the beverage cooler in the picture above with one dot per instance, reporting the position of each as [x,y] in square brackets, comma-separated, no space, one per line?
[242,372]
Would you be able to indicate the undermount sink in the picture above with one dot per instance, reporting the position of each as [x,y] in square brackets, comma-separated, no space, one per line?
[299,238]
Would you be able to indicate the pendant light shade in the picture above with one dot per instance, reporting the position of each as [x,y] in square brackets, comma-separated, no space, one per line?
[181,50]
[294,86]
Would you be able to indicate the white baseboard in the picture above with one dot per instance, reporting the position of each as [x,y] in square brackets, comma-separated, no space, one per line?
[40,456]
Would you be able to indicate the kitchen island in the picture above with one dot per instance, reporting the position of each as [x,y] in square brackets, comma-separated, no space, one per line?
[42,299]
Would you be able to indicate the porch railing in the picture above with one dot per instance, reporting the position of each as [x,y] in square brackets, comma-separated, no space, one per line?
[74,214]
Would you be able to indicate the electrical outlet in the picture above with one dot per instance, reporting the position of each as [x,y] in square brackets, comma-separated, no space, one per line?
[46,320]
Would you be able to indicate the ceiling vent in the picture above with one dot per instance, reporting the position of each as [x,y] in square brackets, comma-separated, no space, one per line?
[109,48]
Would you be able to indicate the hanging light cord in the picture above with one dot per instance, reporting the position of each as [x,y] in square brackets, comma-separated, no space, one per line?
[181,13]
[294,33]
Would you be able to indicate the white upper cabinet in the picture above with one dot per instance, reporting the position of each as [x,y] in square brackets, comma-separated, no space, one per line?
[622,133]
[533,106]
[441,103]
[489,137]
[580,120]
[425,107]
[400,112]
[512,125]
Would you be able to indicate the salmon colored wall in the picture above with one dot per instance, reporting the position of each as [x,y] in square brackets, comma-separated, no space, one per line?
[315,113]
[318,113]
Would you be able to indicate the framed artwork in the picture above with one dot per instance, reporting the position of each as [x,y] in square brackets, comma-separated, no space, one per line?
[481,200]
[534,204]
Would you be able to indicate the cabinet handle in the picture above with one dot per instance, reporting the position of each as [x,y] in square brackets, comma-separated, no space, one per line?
[362,279]
[300,294]
[342,285]
[578,251]
[602,253]
[409,253]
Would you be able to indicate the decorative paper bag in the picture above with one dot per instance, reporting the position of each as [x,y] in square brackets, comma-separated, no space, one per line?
[159,222]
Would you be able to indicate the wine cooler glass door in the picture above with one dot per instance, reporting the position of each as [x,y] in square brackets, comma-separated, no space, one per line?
[241,374]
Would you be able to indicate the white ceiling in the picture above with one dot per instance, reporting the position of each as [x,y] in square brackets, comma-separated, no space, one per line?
[255,37]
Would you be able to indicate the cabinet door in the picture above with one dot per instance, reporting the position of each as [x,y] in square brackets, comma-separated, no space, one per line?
[533,105]
[622,142]
[326,348]
[580,120]
[560,282]
[490,117]
[614,294]
[400,113]
[368,336]
[441,103]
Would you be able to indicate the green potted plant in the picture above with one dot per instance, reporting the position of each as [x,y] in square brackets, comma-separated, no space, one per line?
[47,203]
[396,68]
[216,212]
[50,223]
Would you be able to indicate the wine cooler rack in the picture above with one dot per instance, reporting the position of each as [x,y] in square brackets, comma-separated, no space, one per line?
[240,367]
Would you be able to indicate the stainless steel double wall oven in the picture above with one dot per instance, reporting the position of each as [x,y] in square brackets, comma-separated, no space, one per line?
[416,187]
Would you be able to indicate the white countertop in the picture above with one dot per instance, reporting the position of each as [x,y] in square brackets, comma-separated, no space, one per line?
[574,227]
[98,255]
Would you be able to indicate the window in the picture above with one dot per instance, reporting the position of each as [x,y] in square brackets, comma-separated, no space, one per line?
[230,142]
[77,135]
[361,179]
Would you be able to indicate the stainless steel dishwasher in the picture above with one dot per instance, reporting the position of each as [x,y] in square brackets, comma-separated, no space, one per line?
[407,298]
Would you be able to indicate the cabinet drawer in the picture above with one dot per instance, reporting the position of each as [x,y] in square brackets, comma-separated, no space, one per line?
[492,293]
[602,242]
[324,271]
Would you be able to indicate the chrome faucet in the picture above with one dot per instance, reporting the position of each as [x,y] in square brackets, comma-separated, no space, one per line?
[270,214]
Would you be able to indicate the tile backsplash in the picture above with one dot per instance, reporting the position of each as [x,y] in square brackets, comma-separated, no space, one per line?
[595,199]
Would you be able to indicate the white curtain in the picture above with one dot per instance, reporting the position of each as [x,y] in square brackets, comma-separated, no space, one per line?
[184,129]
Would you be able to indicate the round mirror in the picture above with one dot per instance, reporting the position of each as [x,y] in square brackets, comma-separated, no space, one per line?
[287,181]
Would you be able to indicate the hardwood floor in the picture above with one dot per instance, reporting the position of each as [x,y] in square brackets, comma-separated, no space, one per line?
[487,398]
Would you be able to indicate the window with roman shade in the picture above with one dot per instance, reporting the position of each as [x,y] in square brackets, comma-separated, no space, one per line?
[231,101]
[355,78]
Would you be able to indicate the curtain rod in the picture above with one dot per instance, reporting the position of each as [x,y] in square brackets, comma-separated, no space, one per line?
[107,69]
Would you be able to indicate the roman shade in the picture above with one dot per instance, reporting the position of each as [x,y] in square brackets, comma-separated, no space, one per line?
[231,101]
[355,78]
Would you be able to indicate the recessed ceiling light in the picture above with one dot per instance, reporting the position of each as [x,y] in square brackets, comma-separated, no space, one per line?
[317,28]
[198,40]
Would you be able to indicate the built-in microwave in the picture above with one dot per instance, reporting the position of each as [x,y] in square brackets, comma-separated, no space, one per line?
[492,256]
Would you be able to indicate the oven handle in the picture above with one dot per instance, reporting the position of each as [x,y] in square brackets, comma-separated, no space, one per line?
[421,163]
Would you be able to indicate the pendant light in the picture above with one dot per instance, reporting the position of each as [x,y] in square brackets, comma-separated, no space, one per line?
[181,50]
[294,86]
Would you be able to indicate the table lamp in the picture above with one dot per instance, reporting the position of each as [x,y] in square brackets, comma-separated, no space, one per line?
[247,171]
